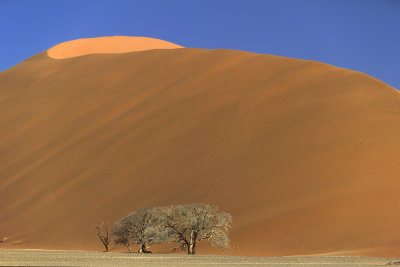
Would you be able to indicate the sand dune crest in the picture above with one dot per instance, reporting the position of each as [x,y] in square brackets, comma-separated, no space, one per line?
[113,44]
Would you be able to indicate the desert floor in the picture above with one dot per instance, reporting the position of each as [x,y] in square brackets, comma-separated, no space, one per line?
[11,257]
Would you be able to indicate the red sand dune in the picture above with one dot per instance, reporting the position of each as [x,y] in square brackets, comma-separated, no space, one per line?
[304,155]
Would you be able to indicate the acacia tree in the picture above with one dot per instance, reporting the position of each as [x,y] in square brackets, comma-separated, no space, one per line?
[122,235]
[191,223]
[104,234]
[142,227]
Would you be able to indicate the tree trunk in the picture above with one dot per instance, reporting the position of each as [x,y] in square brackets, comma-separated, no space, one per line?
[192,243]
[191,249]
[143,249]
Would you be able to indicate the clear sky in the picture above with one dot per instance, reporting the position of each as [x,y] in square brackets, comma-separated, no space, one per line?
[362,35]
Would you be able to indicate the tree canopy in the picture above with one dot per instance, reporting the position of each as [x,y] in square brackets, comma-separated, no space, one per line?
[191,223]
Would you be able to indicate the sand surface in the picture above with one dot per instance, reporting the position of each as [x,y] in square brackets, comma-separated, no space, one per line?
[305,156]
[81,258]
[112,44]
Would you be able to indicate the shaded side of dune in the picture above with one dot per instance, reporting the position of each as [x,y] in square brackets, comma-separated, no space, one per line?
[305,156]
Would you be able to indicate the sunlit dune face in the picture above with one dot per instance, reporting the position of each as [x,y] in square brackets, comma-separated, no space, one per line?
[114,44]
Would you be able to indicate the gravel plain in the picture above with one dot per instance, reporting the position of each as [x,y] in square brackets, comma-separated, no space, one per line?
[11,257]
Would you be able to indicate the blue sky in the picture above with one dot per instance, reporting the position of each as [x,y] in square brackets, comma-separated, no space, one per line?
[362,35]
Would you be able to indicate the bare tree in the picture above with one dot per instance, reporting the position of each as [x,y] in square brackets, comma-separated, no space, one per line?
[104,234]
[142,227]
[122,235]
[192,223]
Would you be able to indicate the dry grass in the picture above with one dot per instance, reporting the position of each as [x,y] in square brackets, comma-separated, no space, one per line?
[85,258]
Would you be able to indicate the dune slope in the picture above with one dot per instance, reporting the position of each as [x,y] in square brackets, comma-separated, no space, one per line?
[305,156]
